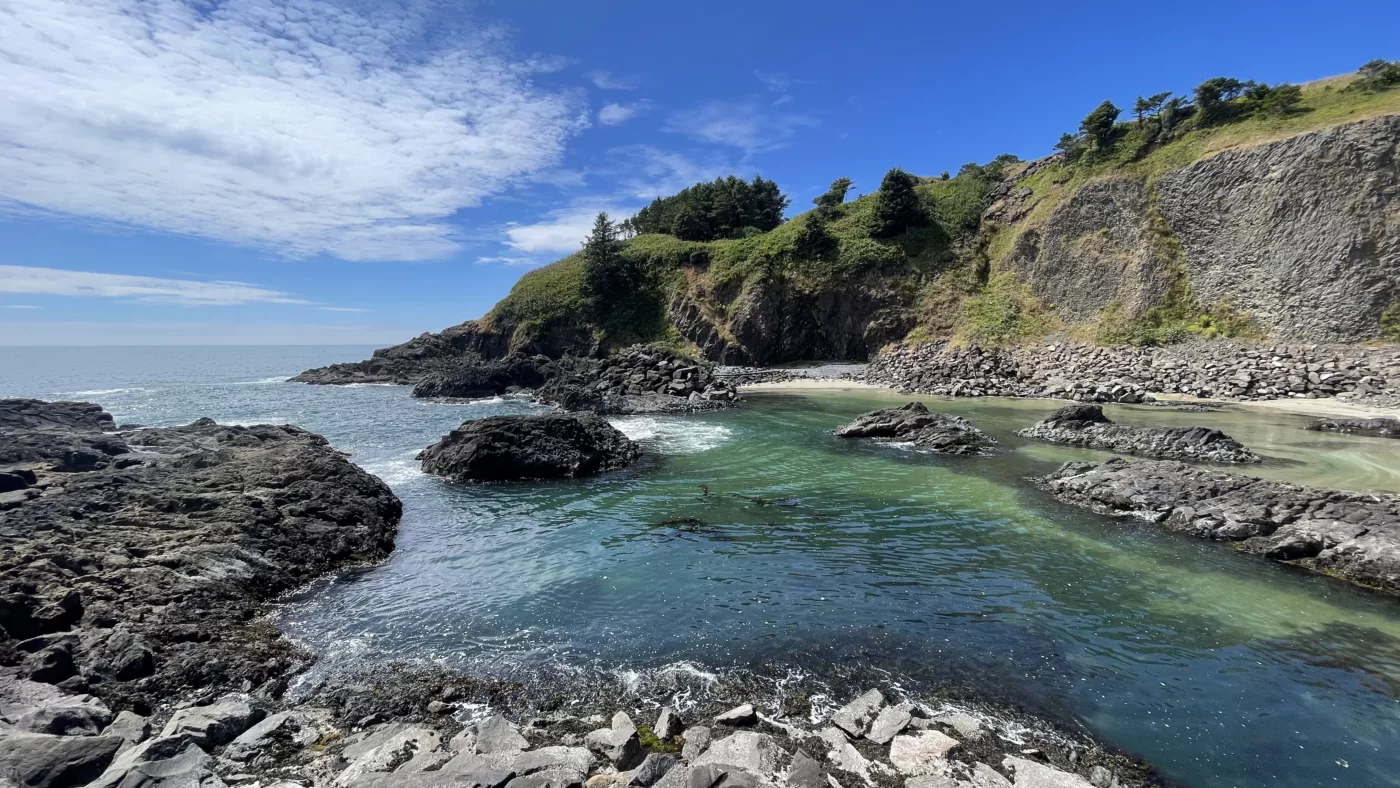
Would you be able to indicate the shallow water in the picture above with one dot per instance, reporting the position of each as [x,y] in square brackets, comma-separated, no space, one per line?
[1221,669]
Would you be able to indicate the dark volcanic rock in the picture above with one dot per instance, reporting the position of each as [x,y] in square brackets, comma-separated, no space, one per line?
[1352,536]
[141,581]
[1086,426]
[530,447]
[1381,428]
[640,379]
[914,423]
[60,436]
[487,378]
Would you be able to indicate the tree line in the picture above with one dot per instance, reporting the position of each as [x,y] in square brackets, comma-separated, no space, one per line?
[727,207]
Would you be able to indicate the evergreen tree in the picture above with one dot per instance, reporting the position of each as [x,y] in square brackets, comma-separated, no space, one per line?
[897,206]
[607,275]
[814,242]
[1072,146]
[1214,97]
[724,208]
[1145,108]
[1098,124]
[833,196]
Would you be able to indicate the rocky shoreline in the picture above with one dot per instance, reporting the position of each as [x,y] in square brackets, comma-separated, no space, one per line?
[1215,369]
[132,651]
[1085,425]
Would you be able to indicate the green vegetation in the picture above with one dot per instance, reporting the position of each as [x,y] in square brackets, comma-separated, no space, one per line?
[726,208]
[652,743]
[1390,321]
[897,208]
[1004,312]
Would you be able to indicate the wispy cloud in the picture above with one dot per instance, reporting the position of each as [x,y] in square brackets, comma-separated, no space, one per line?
[508,260]
[614,114]
[54,281]
[646,172]
[296,125]
[341,309]
[776,82]
[606,80]
[19,306]
[750,126]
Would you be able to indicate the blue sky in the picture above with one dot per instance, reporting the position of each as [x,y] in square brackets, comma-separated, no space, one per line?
[360,172]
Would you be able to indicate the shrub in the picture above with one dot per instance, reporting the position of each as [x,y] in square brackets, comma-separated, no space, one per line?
[1003,312]
[1377,75]
[1390,321]
[897,207]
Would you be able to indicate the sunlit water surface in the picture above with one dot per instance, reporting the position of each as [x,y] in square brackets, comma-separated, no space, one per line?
[1219,668]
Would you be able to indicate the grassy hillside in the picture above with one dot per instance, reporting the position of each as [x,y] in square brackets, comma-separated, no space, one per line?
[949,268]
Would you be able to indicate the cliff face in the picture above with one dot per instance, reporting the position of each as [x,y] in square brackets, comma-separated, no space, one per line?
[1302,234]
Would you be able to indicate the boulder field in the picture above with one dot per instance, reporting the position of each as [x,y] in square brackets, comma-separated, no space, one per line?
[1086,426]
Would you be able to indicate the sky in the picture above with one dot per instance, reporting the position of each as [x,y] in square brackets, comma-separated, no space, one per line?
[361,171]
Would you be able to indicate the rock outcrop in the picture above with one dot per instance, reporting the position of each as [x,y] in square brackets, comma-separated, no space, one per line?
[504,448]
[1218,369]
[640,379]
[132,576]
[424,355]
[915,424]
[1085,426]
[477,379]
[1351,536]
[1380,428]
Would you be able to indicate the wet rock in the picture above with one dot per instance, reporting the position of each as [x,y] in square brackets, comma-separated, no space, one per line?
[668,724]
[1030,774]
[1351,536]
[915,424]
[889,722]
[738,716]
[855,717]
[496,734]
[213,725]
[695,740]
[1380,428]
[476,379]
[1086,426]
[41,760]
[965,724]
[530,447]
[922,753]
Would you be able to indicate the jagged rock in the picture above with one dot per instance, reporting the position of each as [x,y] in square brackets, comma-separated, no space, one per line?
[889,722]
[213,725]
[435,779]
[42,760]
[464,741]
[1380,428]
[530,447]
[129,726]
[168,761]
[618,744]
[965,724]
[913,423]
[1030,774]
[805,772]
[843,755]
[652,769]
[496,734]
[79,716]
[668,724]
[925,752]
[638,380]
[1351,536]
[230,516]
[386,749]
[473,380]
[710,775]
[695,740]
[1085,425]
[274,737]
[984,776]
[738,716]
[855,717]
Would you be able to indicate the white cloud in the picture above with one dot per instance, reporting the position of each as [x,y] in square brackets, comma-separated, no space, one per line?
[563,232]
[53,281]
[113,333]
[20,306]
[294,125]
[606,81]
[614,114]
[747,125]
[647,172]
[341,309]
[507,260]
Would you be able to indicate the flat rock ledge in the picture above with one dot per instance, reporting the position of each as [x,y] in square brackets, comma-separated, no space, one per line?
[1351,536]
[505,448]
[1379,428]
[238,739]
[1085,425]
[133,562]
[915,424]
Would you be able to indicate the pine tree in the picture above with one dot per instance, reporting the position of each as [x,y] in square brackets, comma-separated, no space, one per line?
[607,275]
[1099,124]
[813,242]
[897,206]
[833,196]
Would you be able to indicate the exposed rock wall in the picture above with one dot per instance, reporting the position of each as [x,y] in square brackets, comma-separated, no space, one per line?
[1218,369]
[1302,234]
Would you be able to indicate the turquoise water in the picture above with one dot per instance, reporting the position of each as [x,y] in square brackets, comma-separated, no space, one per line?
[921,571]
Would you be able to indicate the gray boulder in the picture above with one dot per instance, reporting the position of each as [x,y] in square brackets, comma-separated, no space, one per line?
[889,722]
[652,769]
[42,760]
[1030,774]
[530,447]
[1085,425]
[914,423]
[668,724]
[496,734]
[855,717]
[737,716]
[213,725]
[619,744]
[274,738]
[695,740]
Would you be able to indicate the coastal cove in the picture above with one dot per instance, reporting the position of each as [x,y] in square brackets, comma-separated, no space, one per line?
[821,566]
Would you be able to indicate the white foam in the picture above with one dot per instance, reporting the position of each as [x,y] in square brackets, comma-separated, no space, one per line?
[674,435]
[396,472]
[261,381]
[100,392]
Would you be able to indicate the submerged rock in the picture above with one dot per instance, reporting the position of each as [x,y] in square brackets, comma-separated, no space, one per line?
[1085,425]
[1352,536]
[914,423]
[1380,428]
[530,447]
